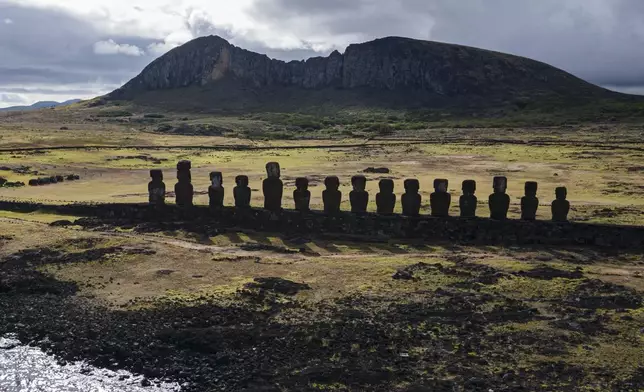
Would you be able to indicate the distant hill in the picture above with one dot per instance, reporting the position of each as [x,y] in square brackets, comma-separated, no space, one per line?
[39,105]
[209,74]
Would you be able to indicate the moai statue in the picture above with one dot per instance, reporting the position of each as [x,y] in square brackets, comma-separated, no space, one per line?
[359,197]
[156,188]
[302,195]
[331,196]
[560,206]
[468,201]
[216,190]
[411,199]
[183,189]
[529,202]
[440,200]
[386,199]
[242,192]
[273,187]
[499,201]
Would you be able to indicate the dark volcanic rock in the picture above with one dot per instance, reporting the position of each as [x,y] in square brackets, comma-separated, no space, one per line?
[387,64]
[278,285]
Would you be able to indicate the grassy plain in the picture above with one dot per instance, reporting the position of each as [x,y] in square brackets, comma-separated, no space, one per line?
[601,165]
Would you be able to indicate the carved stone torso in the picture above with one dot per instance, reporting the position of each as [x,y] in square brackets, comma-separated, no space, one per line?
[386,199]
[467,203]
[560,210]
[156,191]
[385,202]
[273,190]
[216,196]
[242,194]
[440,202]
[302,198]
[411,203]
[359,201]
[184,192]
[331,196]
[529,206]
[499,205]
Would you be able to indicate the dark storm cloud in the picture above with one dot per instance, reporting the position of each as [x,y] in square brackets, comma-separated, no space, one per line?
[599,40]
[43,47]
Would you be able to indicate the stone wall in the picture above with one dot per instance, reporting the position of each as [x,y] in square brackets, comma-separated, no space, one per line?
[480,231]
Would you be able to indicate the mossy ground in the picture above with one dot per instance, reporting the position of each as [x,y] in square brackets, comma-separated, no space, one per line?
[491,313]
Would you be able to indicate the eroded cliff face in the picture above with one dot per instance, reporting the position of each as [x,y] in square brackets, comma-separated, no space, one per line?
[386,64]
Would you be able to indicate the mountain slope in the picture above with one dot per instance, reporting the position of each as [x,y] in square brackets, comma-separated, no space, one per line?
[210,74]
[39,105]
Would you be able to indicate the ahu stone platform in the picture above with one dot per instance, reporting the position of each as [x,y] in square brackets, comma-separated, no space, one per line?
[475,231]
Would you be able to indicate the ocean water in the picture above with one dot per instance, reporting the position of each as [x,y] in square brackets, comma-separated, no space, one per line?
[28,369]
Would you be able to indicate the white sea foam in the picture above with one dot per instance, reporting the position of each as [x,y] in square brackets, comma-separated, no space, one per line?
[28,369]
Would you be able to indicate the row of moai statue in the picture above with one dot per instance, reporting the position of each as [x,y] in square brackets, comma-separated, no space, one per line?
[440,200]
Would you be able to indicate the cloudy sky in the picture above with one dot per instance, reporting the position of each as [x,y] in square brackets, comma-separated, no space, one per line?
[62,49]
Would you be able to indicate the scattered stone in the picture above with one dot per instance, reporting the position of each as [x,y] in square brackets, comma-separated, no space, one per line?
[378,170]
[61,223]
[549,273]
[278,285]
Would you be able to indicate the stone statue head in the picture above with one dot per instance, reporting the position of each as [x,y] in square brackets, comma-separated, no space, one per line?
[412,185]
[302,183]
[440,185]
[531,188]
[469,187]
[386,185]
[184,165]
[184,176]
[156,174]
[359,183]
[332,183]
[241,181]
[217,179]
[500,184]
[273,169]
[561,193]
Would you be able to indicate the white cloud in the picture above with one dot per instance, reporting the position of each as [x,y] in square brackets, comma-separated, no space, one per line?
[9,99]
[110,47]
[8,21]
